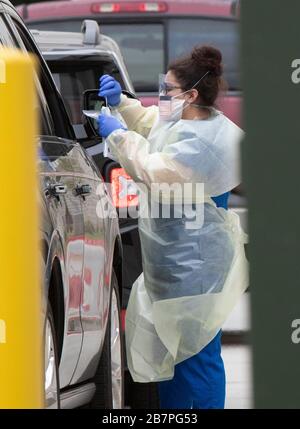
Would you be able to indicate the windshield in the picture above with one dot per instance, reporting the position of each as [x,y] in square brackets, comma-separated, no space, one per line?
[143,45]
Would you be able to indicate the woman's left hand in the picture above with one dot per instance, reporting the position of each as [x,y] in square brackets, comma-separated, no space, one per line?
[108,124]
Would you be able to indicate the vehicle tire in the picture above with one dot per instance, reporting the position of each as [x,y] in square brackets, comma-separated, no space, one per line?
[109,378]
[52,390]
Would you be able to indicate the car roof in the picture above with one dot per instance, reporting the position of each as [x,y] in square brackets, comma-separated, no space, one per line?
[78,8]
[62,40]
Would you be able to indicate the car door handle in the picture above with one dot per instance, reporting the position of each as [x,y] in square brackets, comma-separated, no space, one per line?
[82,190]
[55,190]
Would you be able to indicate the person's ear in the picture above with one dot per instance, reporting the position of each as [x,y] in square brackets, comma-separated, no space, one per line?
[193,95]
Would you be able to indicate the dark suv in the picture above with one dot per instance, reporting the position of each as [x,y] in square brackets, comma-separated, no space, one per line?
[81,252]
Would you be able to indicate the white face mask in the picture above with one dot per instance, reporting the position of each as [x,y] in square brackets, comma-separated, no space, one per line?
[171,108]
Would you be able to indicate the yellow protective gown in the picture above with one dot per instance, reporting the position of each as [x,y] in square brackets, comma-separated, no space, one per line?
[192,276]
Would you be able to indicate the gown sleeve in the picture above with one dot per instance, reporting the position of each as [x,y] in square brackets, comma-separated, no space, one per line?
[137,117]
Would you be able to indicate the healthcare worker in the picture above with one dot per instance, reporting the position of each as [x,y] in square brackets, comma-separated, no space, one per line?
[194,265]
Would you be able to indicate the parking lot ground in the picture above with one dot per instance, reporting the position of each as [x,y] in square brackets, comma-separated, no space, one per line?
[237,360]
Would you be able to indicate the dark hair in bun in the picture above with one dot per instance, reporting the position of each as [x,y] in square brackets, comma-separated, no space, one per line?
[209,58]
[188,70]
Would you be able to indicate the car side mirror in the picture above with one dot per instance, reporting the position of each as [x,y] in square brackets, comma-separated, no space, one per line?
[92,105]
[92,101]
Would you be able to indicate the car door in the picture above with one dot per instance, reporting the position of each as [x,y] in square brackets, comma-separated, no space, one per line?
[57,186]
[65,211]
[95,285]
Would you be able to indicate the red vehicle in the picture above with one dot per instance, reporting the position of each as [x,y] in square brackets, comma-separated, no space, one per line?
[151,33]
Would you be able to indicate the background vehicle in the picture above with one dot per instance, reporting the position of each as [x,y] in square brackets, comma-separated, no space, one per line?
[76,61]
[81,253]
[151,34]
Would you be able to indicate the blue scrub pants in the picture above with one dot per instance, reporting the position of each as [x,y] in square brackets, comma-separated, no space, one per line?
[198,382]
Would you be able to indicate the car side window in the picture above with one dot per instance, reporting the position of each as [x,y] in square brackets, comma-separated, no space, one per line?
[60,124]
[74,74]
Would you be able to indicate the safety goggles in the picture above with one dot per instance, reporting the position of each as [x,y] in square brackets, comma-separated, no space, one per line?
[166,87]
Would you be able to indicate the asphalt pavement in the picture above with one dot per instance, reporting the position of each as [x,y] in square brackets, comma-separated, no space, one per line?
[237,361]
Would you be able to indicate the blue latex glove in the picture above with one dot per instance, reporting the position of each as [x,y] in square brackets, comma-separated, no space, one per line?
[108,124]
[111,89]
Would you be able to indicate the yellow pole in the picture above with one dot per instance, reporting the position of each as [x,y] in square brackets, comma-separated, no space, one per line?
[21,365]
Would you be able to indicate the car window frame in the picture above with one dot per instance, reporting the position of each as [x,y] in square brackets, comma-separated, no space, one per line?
[5,36]
[60,66]
[60,123]
[8,40]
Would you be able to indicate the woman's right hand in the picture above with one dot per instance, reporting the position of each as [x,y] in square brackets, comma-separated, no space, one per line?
[111,89]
